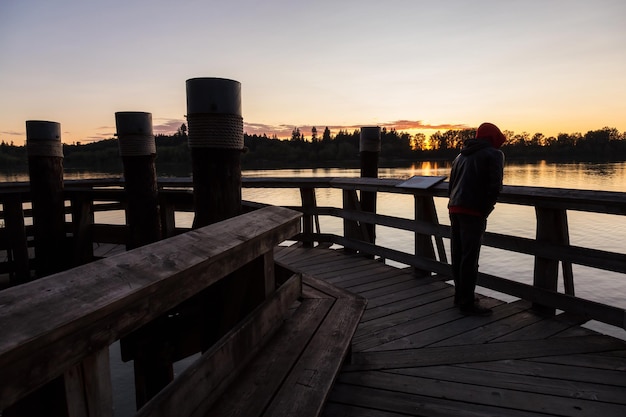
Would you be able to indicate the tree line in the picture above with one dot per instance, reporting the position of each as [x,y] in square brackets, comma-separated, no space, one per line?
[339,150]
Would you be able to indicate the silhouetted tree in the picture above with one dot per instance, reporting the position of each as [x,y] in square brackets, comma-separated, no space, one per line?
[296,135]
[326,135]
[182,130]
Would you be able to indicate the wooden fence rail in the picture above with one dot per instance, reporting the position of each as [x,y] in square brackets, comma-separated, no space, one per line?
[551,247]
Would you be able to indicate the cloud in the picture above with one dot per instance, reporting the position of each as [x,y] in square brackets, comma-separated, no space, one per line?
[12,133]
[418,124]
[280,131]
[167,126]
[284,131]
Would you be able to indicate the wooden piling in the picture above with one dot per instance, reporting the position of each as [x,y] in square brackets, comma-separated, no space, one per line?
[369,148]
[153,368]
[45,168]
[215,128]
[138,152]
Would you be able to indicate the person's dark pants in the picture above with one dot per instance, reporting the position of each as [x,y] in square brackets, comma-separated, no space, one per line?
[466,239]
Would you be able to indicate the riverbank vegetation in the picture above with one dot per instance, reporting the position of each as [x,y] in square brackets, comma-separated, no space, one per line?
[340,150]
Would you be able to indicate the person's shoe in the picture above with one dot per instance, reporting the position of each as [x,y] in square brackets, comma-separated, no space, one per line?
[456,300]
[475,310]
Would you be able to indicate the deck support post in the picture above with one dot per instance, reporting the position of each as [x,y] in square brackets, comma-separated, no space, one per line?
[138,152]
[45,169]
[17,243]
[82,228]
[88,387]
[551,228]
[310,221]
[369,148]
[425,212]
[351,228]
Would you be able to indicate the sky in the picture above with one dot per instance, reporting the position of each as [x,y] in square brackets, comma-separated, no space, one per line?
[547,66]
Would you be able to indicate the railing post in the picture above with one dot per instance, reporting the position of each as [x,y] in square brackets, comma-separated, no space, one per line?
[17,242]
[216,142]
[424,211]
[88,387]
[45,168]
[351,228]
[82,228]
[369,148]
[307,195]
[168,217]
[551,228]
[138,151]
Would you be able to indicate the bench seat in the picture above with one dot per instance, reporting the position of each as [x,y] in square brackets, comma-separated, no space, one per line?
[295,371]
[282,360]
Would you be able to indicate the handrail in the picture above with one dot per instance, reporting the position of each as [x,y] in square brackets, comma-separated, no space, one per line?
[50,325]
[550,247]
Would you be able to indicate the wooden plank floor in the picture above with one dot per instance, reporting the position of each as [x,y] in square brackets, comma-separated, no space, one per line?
[414,354]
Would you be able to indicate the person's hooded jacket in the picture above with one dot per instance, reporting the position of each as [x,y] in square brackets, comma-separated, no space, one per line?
[476,176]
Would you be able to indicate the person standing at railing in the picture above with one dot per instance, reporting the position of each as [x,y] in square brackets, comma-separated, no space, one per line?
[475,183]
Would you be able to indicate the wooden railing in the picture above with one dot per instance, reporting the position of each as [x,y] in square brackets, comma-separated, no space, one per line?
[58,329]
[550,248]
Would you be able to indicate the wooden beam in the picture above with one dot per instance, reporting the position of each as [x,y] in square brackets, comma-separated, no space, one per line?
[488,352]
[88,388]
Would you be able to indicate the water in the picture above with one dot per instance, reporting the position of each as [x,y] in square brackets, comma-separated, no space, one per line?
[598,231]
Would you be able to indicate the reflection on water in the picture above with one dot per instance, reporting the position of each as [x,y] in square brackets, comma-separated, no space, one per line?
[584,176]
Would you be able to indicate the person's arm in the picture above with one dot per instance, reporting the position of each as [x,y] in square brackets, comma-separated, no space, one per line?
[496,177]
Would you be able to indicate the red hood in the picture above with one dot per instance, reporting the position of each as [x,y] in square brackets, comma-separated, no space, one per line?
[490,132]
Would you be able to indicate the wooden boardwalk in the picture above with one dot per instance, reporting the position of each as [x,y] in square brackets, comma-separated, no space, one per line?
[414,354]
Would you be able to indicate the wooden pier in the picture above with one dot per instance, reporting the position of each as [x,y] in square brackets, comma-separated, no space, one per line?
[407,350]
[414,354]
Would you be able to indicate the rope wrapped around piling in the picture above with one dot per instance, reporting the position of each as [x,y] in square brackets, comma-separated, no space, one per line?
[44,147]
[136,145]
[222,131]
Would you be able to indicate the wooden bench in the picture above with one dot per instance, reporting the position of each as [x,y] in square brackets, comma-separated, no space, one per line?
[281,358]
[56,331]
[290,375]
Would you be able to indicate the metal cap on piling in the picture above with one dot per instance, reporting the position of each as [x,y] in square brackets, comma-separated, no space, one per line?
[370,139]
[134,133]
[214,113]
[43,138]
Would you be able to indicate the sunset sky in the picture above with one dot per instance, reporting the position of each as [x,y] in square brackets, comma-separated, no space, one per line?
[536,66]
